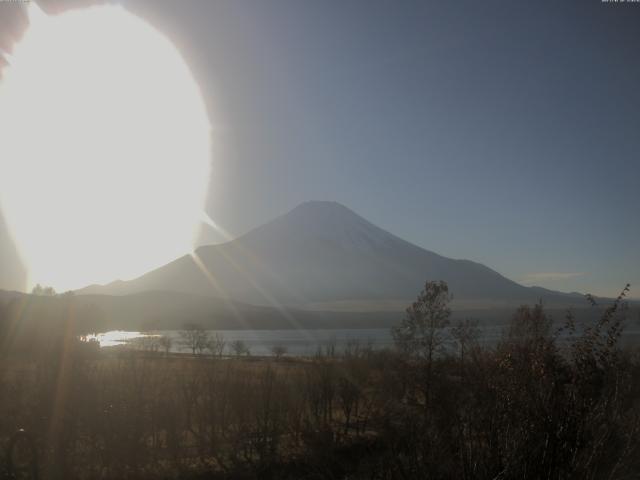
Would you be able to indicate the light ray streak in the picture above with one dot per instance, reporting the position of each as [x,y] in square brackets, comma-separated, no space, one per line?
[63,377]
[222,293]
[251,255]
[263,292]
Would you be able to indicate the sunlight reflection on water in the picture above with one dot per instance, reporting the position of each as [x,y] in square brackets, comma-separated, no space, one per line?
[115,337]
[259,342]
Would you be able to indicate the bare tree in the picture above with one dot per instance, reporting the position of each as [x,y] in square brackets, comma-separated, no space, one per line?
[240,348]
[465,334]
[43,291]
[421,332]
[278,351]
[165,342]
[148,343]
[217,345]
[194,337]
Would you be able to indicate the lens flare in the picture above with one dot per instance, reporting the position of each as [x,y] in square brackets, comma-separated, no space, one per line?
[104,148]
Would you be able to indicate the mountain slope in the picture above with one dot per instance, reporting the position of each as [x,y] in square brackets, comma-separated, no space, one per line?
[322,253]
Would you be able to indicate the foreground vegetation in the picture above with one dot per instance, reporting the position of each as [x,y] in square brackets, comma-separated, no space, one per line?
[546,402]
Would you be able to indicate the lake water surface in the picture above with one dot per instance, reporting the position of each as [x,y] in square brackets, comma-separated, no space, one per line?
[299,342]
[261,342]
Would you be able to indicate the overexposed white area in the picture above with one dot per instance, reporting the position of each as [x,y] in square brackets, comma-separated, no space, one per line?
[104,148]
[115,337]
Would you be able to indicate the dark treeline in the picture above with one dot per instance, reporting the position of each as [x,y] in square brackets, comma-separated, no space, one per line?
[33,325]
[548,401]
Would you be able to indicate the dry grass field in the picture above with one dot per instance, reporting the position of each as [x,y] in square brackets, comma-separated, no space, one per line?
[530,407]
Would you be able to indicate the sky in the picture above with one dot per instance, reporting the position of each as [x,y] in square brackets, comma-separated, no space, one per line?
[501,132]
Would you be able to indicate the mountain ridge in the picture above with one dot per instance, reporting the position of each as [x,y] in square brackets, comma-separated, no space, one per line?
[324,252]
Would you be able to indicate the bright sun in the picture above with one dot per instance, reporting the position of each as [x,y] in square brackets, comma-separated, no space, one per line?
[104,148]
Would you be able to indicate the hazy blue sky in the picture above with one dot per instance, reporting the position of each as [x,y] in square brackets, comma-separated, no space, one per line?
[503,132]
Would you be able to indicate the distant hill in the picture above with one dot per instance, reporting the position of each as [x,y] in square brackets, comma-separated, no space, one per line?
[160,310]
[172,310]
[8,295]
[323,256]
[156,310]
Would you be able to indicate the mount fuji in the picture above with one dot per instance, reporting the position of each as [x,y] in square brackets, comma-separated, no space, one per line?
[323,256]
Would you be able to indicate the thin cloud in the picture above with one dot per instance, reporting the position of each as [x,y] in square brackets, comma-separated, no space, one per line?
[550,276]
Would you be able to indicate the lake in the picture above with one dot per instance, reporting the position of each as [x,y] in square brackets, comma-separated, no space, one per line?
[261,342]
[301,342]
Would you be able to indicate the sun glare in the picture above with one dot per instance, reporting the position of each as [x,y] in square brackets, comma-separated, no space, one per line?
[104,148]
